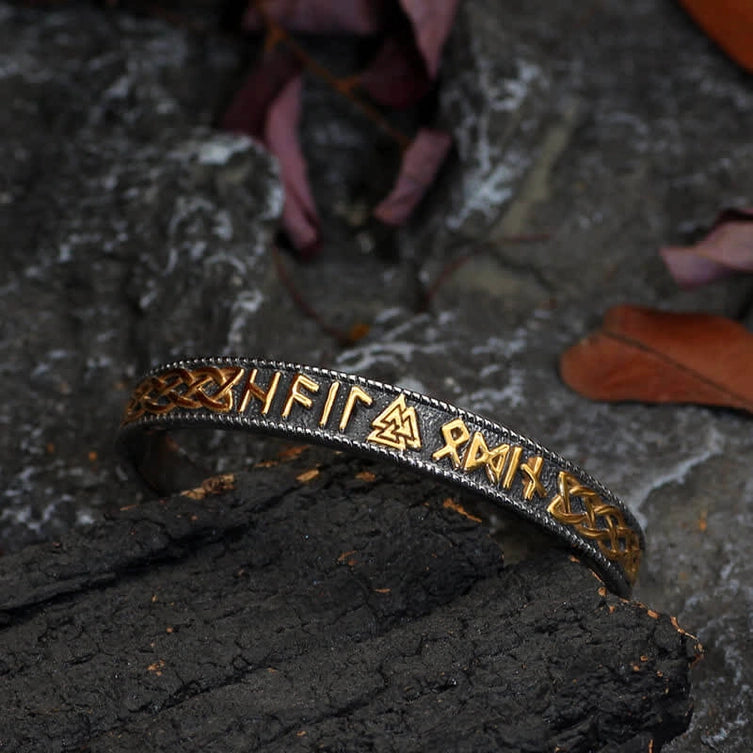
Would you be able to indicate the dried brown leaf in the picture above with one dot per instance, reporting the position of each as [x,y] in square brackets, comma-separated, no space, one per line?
[729,23]
[267,107]
[659,357]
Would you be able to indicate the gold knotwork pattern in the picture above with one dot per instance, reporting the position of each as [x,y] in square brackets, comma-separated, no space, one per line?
[207,387]
[598,521]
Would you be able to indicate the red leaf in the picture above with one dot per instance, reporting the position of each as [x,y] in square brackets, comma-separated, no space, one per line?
[320,16]
[726,249]
[268,104]
[432,21]
[660,357]
[281,137]
[396,77]
[247,112]
[267,107]
[420,163]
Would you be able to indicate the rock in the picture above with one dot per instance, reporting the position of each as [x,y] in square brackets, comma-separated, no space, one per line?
[117,202]
[495,106]
[320,604]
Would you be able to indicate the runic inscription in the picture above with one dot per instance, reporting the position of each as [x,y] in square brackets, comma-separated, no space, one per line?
[236,389]
[582,508]
[297,398]
[396,426]
[501,463]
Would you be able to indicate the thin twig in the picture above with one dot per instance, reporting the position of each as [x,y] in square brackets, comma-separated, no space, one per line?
[455,264]
[341,86]
[341,336]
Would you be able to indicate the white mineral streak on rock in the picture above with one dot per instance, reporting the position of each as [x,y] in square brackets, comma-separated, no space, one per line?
[677,466]
[491,166]
[221,148]
[244,309]
[223,225]
[365,358]
[503,379]
[118,89]
[416,335]
[273,202]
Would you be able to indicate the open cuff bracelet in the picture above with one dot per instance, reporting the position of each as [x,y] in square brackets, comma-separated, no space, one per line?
[367,417]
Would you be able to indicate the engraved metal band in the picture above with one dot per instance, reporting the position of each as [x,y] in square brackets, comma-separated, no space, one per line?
[364,416]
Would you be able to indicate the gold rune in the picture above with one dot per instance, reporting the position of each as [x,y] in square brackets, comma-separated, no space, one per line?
[355,395]
[502,463]
[455,434]
[334,388]
[252,390]
[478,455]
[296,393]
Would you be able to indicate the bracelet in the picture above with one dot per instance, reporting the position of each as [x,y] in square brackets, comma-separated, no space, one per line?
[367,417]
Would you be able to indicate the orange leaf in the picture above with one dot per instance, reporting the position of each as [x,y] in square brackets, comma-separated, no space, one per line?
[729,23]
[662,357]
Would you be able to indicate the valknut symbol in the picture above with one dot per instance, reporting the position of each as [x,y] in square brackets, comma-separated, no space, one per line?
[396,426]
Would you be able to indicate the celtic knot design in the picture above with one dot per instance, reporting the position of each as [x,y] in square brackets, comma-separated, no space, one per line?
[207,387]
[596,520]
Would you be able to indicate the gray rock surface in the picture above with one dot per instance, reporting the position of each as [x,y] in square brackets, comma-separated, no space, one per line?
[133,234]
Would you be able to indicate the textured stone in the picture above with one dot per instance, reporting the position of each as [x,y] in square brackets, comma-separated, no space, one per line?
[117,202]
[351,610]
